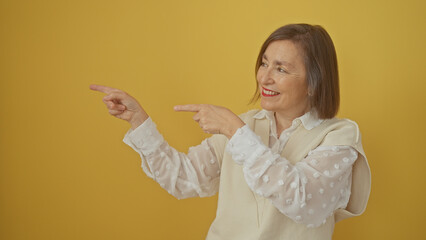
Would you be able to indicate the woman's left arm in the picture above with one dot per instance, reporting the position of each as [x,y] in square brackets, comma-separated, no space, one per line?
[310,190]
[307,192]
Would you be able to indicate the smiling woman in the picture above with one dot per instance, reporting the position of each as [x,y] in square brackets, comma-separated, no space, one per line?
[290,170]
[281,76]
[310,51]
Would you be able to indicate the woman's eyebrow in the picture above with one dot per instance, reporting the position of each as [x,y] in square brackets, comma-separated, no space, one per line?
[276,62]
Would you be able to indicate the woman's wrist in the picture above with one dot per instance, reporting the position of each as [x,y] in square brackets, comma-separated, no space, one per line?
[138,119]
[233,128]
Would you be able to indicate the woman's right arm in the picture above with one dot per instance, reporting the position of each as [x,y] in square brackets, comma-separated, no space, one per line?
[182,175]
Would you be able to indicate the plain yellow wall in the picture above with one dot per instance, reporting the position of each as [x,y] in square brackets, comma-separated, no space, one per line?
[65,172]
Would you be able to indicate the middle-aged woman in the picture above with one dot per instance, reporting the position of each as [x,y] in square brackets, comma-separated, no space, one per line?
[290,170]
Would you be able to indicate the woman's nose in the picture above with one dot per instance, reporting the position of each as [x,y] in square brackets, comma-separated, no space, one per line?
[266,77]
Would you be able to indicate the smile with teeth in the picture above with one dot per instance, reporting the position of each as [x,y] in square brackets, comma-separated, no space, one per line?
[268,93]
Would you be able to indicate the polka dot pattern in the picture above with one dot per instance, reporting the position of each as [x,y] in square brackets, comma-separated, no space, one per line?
[307,192]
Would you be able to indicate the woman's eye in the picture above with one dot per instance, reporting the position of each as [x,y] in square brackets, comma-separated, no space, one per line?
[282,70]
[263,64]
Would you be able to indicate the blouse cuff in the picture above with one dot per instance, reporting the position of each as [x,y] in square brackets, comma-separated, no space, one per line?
[144,138]
[245,146]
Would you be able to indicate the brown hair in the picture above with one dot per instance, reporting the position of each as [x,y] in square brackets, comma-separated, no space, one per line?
[320,62]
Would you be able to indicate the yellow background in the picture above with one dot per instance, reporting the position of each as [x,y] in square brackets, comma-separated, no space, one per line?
[65,172]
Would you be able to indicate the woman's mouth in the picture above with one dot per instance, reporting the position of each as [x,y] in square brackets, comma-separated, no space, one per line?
[269,93]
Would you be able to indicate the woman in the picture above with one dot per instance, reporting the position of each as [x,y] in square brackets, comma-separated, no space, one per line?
[287,171]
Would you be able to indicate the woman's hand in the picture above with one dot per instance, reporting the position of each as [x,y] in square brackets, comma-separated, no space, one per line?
[122,105]
[213,119]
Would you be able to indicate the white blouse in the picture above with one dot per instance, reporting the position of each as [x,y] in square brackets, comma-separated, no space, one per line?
[307,192]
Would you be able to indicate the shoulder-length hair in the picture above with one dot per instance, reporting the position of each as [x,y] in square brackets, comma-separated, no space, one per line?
[320,62]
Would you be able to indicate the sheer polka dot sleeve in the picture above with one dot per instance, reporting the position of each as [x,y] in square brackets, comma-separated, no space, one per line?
[307,192]
[182,175]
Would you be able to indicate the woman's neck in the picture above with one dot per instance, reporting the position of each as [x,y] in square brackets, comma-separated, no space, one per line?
[284,120]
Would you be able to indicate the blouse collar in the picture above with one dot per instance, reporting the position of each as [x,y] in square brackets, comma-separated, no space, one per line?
[309,119]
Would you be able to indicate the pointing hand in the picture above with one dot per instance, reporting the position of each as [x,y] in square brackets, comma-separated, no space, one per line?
[122,105]
[213,119]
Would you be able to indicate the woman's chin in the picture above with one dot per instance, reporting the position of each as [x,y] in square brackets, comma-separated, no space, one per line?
[267,106]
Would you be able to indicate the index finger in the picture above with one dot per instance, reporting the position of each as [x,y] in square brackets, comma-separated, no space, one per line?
[101,88]
[187,108]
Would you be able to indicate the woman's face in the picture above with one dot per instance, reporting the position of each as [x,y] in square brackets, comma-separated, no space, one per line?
[282,79]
